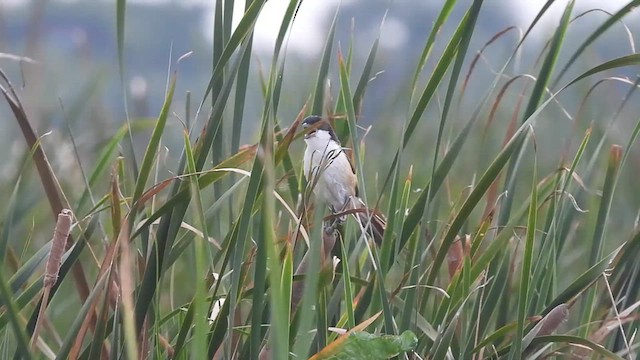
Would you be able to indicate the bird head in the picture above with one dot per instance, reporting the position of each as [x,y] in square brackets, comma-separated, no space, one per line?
[316,127]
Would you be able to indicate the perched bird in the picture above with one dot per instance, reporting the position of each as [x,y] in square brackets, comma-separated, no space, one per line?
[328,170]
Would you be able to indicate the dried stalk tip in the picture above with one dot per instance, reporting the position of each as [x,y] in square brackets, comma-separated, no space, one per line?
[616,153]
[60,234]
[455,256]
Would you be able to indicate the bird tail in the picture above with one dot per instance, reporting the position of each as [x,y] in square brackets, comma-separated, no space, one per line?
[370,219]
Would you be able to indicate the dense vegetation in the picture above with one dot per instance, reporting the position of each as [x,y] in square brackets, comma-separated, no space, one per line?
[512,209]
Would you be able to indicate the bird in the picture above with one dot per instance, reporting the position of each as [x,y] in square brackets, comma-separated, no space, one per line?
[332,177]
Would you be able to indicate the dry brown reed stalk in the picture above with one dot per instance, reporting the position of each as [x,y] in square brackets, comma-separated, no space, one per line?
[58,242]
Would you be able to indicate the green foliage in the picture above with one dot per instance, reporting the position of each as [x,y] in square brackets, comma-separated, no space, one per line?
[217,250]
[362,345]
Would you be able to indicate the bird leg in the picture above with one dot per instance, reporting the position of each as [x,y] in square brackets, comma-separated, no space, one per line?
[339,220]
[330,228]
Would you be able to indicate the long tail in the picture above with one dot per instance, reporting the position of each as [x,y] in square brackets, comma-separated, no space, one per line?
[378,223]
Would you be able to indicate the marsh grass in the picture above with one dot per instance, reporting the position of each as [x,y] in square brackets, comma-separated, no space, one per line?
[478,260]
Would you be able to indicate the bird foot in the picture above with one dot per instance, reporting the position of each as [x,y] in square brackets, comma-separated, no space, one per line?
[337,221]
[330,228]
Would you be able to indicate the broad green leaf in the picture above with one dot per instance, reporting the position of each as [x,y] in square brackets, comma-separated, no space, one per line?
[362,345]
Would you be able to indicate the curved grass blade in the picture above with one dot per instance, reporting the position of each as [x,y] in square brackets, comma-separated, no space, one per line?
[582,283]
[628,60]
[596,34]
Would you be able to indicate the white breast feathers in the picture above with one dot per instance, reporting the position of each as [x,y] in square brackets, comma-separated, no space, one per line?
[328,170]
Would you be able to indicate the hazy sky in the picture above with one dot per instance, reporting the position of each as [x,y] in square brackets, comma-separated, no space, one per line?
[307,37]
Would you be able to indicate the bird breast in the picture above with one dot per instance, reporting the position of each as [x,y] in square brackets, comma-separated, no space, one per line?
[328,170]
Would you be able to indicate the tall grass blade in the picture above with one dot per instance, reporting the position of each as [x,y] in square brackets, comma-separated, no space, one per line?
[525,275]
[244,28]
[445,11]
[535,98]
[613,166]
[318,95]
[201,315]
[152,147]
[77,322]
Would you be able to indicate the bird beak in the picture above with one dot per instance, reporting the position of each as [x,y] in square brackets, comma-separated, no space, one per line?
[310,133]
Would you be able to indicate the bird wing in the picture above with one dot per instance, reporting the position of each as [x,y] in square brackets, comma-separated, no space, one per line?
[349,153]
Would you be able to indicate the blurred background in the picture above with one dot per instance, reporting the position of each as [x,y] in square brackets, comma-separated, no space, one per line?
[62,57]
